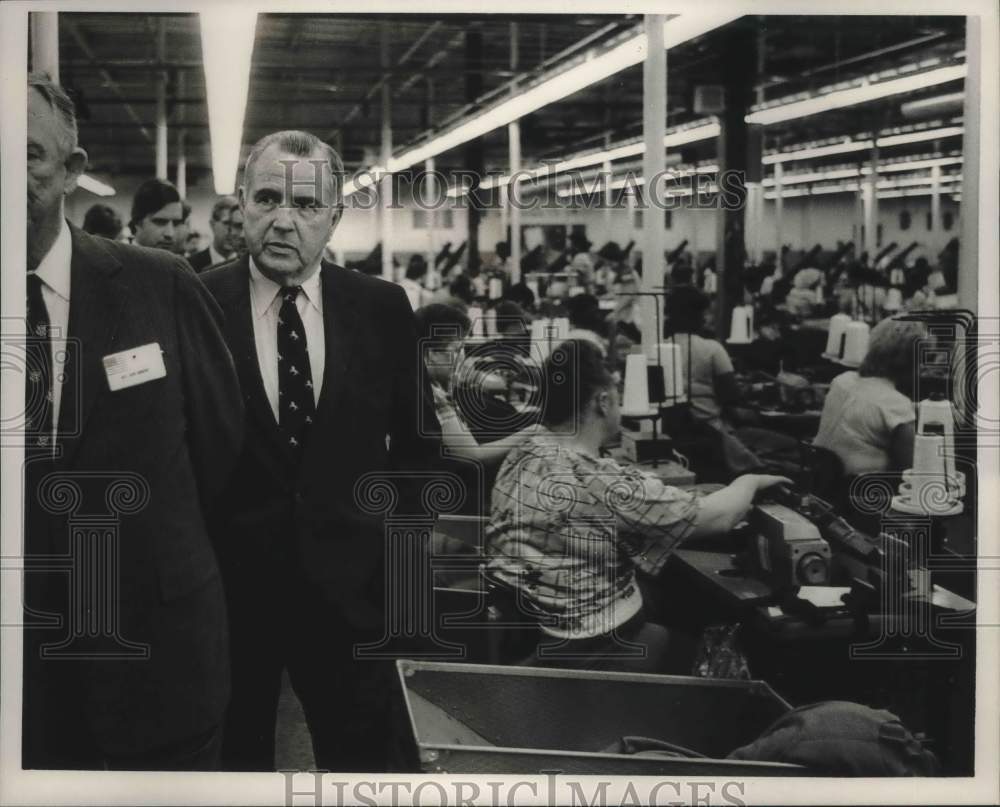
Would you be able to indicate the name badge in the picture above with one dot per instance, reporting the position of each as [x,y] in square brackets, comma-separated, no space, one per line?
[134,366]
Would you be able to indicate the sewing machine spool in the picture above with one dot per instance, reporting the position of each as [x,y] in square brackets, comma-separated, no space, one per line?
[671,359]
[741,325]
[932,486]
[477,320]
[856,337]
[635,402]
[835,338]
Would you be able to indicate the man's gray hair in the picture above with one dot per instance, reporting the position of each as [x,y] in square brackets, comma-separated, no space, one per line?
[300,144]
[224,204]
[61,104]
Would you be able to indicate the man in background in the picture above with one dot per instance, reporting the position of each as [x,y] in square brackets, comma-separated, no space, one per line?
[157,215]
[133,414]
[103,221]
[221,248]
[182,232]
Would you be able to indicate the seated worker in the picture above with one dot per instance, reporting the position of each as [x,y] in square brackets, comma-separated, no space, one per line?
[568,529]
[709,377]
[586,320]
[442,330]
[868,417]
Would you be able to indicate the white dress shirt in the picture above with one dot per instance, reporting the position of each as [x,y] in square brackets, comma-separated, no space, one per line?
[54,272]
[265,299]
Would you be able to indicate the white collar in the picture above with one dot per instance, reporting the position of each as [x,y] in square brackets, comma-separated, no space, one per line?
[264,290]
[54,267]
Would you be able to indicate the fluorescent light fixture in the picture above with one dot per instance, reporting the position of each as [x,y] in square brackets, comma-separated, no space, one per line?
[364,180]
[704,130]
[89,183]
[636,181]
[915,165]
[918,137]
[849,146]
[887,189]
[850,173]
[836,99]
[818,151]
[589,71]
[227,35]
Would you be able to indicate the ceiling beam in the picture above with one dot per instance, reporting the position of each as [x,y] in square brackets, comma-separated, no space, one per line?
[81,41]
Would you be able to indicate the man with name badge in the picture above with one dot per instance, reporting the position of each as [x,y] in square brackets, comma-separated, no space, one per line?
[133,418]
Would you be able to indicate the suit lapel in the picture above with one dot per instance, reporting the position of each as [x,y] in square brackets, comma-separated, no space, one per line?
[97,298]
[340,329]
[242,344]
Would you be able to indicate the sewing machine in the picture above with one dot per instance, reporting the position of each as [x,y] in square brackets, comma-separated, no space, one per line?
[789,548]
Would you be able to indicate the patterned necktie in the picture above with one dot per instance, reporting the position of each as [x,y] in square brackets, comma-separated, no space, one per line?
[296,401]
[38,385]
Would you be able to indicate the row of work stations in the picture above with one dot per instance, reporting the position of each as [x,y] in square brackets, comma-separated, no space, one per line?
[782,511]
[689,295]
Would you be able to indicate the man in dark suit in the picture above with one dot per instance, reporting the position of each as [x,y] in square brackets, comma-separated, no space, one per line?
[335,388]
[133,418]
[222,248]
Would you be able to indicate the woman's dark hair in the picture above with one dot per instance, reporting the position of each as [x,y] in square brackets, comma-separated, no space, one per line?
[461,287]
[585,312]
[522,295]
[102,220]
[152,195]
[440,321]
[416,268]
[571,376]
[685,310]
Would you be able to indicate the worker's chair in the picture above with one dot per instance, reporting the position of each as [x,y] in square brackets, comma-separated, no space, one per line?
[823,474]
[472,608]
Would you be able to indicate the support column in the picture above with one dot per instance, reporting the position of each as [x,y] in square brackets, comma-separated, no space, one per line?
[181,182]
[512,225]
[514,136]
[654,126]
[608,193]
[754,223]
[474,151]
[740,70]
[430,196]
[385,183]
[779,213]
[935,226]
[45,43]
[968,253]
[181,166]
[161,103]
[870,202]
